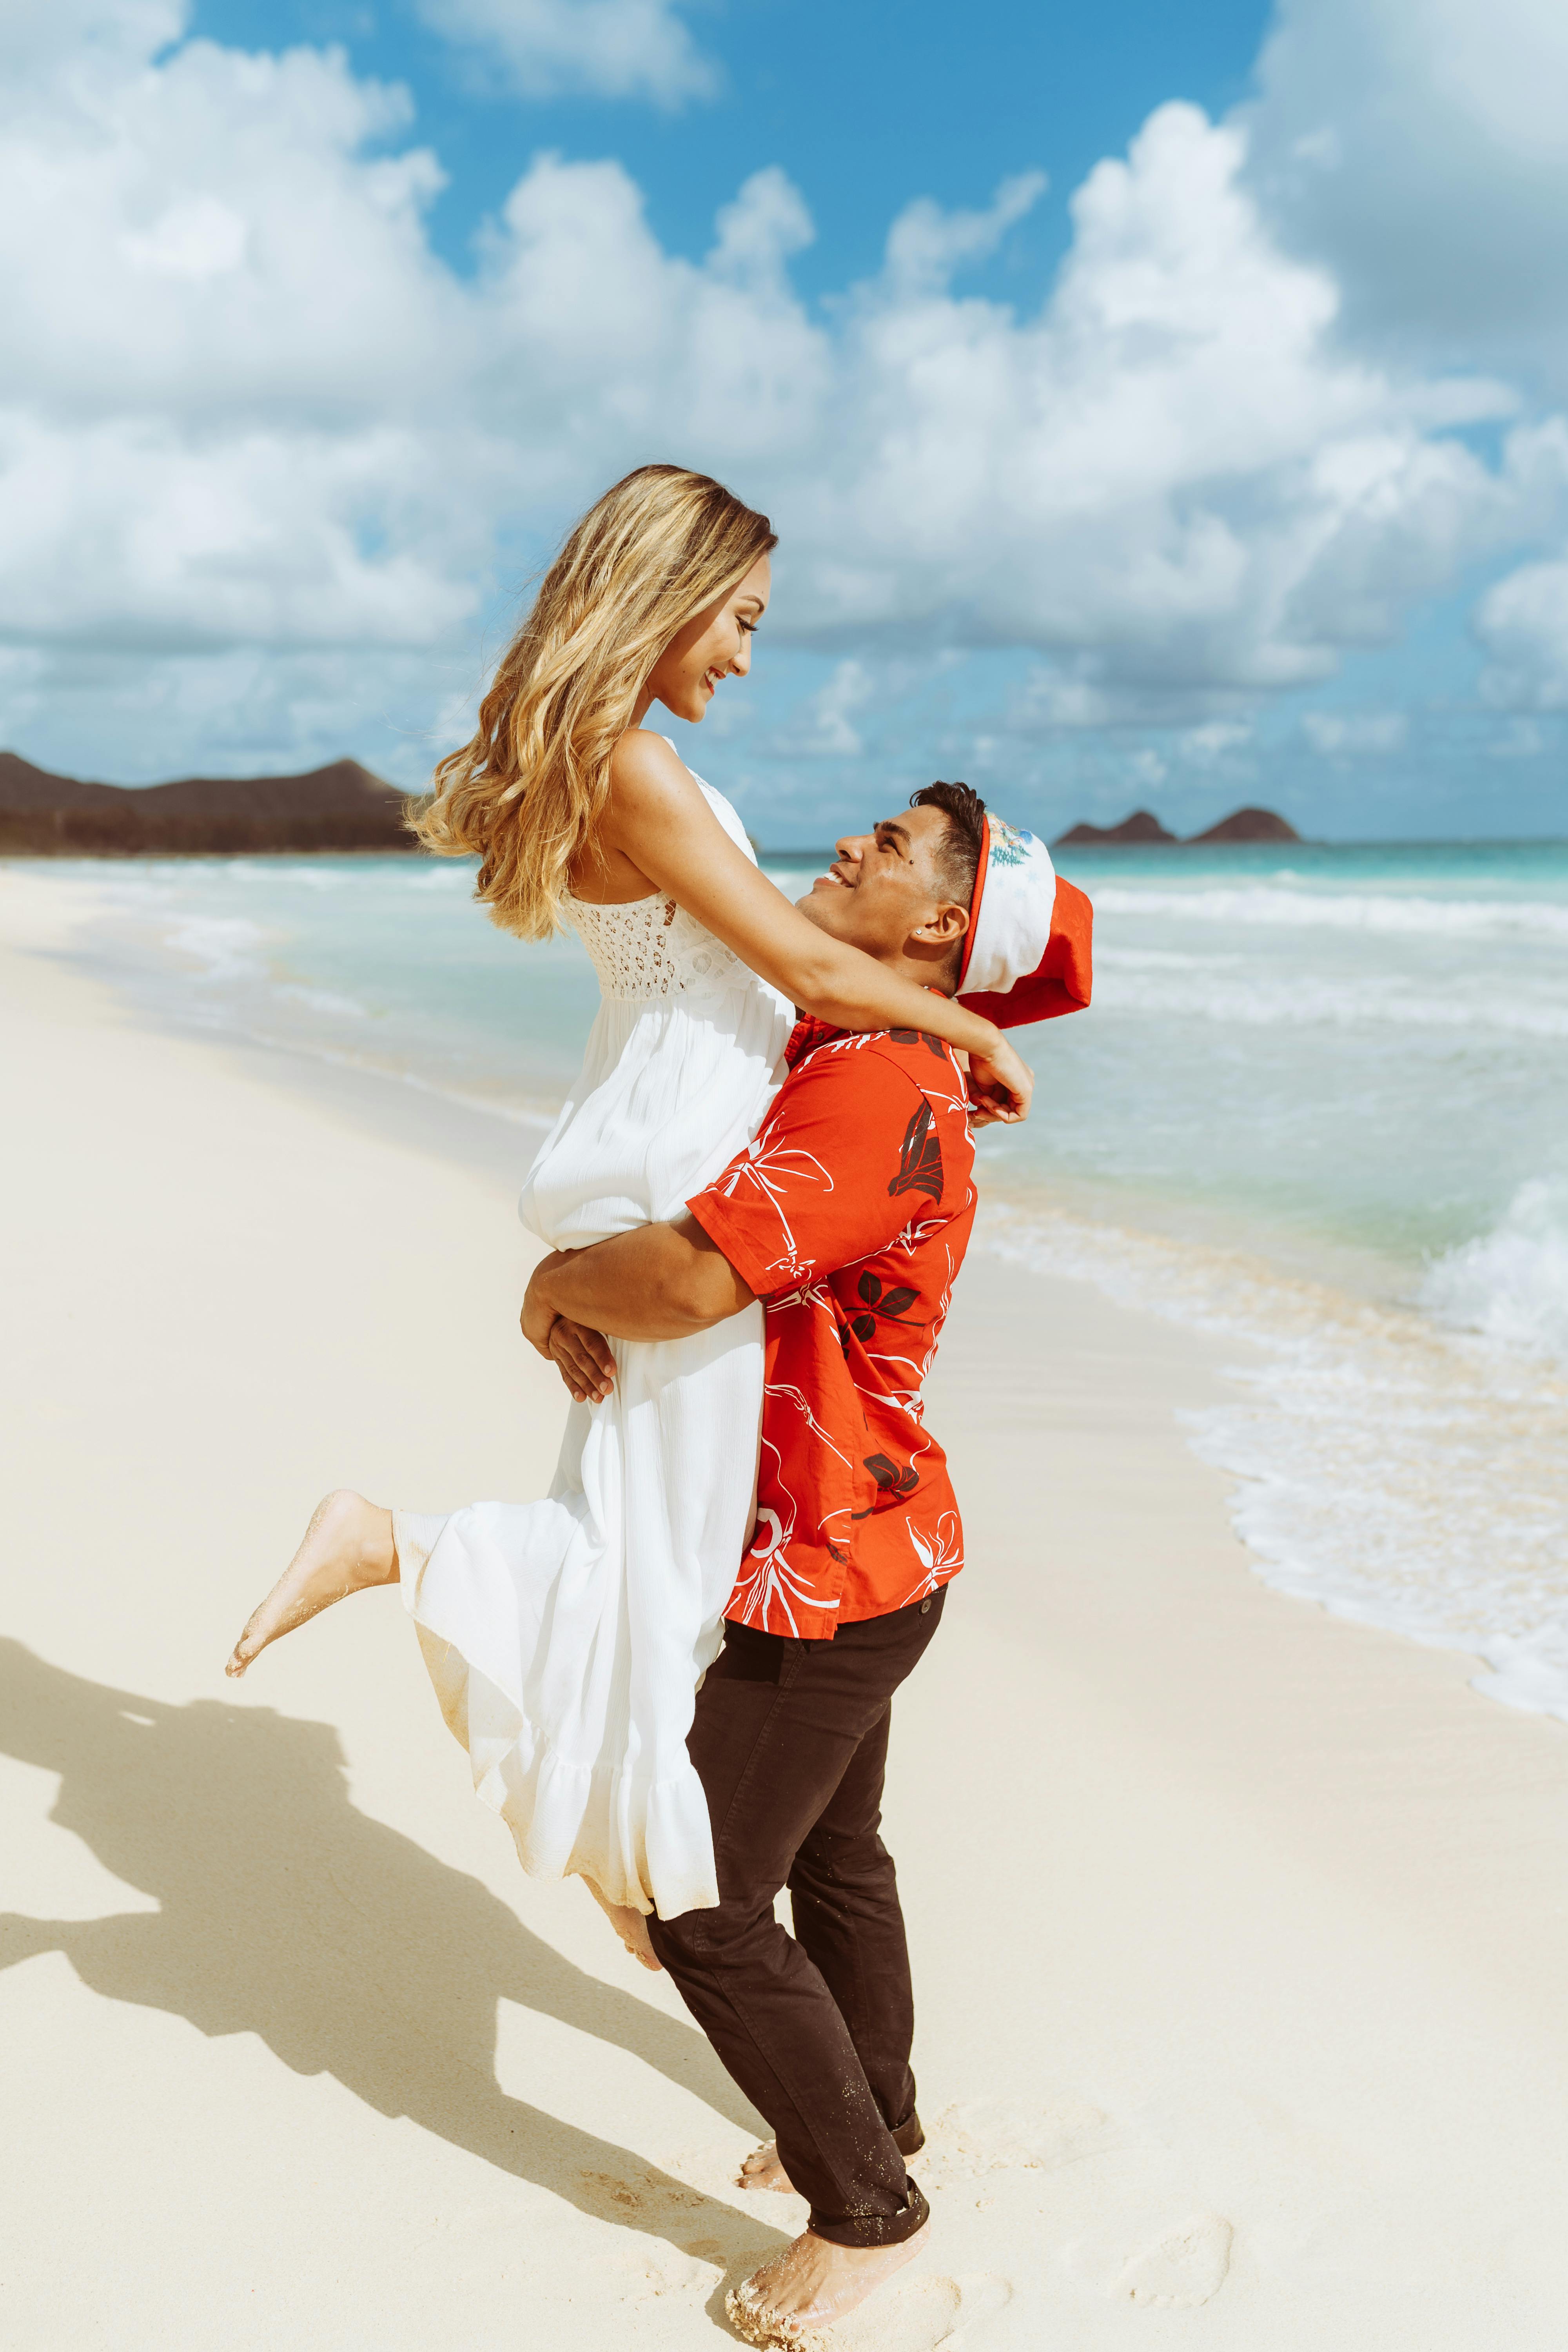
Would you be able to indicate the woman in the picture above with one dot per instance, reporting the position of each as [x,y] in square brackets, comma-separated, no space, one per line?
[565,1638]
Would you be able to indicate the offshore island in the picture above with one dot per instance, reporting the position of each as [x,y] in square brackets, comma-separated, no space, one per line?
[346,806]
[341,806]
[1142,830]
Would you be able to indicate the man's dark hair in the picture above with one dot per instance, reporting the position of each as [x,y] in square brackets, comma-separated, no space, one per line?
[959,860]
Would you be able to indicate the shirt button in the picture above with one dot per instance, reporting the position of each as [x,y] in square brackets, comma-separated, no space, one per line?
[925,1607]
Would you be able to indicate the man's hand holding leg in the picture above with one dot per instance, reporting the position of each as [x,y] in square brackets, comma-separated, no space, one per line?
[655,1281]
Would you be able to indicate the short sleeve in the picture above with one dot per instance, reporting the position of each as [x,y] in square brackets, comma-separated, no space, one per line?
[847,1154]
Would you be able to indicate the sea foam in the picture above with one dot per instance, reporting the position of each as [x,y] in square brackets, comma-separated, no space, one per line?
[1304,909]
[1512,1284]
[1402,1471]
[1222,988]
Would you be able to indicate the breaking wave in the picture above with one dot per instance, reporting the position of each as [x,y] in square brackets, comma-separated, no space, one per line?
[1403,1470]
[1275,909]
[1510,1285]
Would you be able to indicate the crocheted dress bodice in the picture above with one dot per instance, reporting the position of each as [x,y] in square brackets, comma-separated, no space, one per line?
[652,948]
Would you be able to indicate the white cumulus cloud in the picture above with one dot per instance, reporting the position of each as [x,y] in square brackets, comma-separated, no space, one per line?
[614,48]
[269,430]
[1417,147]
[826,729]
[1214,742]
[1523,622]
[1355,734]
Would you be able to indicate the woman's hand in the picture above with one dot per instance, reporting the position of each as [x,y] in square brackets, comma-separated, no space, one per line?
[582,1359]
[1000,1086]
[536,1319]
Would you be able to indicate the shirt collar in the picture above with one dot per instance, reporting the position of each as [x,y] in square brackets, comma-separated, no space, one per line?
[806,1035]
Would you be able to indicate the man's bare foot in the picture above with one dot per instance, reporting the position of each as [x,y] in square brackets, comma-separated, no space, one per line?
[762,2169]
[811,2286]
[348,1546]
[630,1927]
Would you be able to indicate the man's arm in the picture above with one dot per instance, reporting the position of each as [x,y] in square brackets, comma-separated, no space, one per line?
[661,1282]
[656,1282]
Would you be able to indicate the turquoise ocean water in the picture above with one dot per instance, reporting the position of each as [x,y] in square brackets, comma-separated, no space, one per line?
[1319,1108]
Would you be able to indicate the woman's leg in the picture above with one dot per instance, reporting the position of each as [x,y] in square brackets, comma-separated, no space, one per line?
[629,1926]
[348,1546]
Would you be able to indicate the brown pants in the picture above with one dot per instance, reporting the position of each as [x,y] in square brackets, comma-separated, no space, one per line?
[790,1741]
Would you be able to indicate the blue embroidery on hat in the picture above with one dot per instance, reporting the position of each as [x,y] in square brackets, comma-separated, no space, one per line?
[1010,845]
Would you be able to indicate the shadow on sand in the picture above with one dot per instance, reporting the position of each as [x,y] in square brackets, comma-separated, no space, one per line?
[287,1913]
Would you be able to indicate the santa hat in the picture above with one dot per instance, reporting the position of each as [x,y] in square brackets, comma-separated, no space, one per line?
[1027,952]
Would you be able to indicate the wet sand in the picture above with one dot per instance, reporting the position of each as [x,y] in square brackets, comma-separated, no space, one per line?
[1239,1932]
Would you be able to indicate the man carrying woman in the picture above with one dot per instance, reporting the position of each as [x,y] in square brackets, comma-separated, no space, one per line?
[848,1216]
[568,1638]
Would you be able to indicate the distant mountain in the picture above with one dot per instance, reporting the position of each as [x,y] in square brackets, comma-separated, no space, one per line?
[1141,826]
[340,806]
[23,786]
[1250,824]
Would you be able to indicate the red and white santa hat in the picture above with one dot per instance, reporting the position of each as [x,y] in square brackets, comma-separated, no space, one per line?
[1028,951]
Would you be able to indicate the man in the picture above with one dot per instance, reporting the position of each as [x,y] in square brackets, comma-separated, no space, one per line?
[848,1216]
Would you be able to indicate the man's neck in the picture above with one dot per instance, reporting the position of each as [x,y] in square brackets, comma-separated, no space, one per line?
[810,1032]
[917,972]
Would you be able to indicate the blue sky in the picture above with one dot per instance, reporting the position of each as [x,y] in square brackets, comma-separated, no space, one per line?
[1157,407]
[862,106]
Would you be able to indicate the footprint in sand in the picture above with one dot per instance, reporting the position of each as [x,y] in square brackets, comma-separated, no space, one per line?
[665,2270]
[634,2195]
[1179,2270]
[982,2135]
[926,2315]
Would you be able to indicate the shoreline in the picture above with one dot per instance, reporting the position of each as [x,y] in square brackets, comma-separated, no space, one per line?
[1372,1537]
[1238,1929]
[787,856]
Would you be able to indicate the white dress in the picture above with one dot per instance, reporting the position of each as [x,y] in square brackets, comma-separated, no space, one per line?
[566,1638]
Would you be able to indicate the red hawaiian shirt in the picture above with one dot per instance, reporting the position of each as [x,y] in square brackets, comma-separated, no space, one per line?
[848,1216]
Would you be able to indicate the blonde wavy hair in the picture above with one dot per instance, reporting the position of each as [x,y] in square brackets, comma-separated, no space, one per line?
[527,794]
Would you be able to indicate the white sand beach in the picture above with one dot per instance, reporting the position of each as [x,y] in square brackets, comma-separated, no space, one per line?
[1240,1932]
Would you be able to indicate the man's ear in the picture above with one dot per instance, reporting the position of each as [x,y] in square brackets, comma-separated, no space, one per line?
[946,928]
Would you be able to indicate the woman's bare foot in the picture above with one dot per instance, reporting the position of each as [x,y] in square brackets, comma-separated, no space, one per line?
[762,2169]
[811,2286]
[630,1927]
[348,1546]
